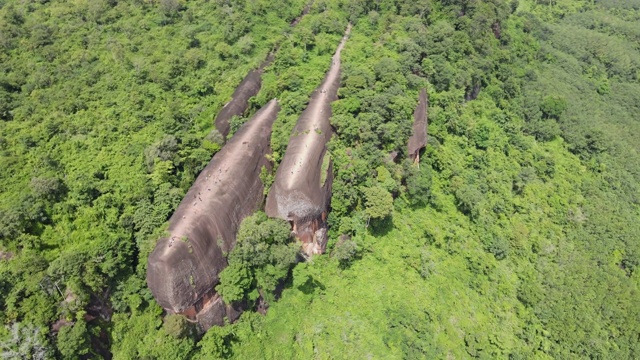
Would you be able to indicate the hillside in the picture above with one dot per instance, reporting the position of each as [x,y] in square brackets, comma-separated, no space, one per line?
[516,235]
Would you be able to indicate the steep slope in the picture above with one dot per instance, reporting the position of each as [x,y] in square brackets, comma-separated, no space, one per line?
[516,236]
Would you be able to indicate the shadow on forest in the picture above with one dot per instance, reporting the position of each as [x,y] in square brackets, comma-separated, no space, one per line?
[381,227]
[310,286]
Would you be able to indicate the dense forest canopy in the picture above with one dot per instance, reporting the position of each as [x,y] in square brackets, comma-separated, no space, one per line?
[517,235]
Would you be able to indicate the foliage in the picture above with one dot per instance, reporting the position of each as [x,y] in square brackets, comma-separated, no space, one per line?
[345,251]
[178,326]
[261,259]
[418,184]
[379,202]
[73,341]
[514,237]
[215,344]
[24,342]
[235,281]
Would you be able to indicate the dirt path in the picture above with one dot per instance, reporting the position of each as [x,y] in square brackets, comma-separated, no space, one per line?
[305,11]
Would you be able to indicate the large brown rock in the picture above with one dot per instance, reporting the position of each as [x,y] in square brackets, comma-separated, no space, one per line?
[301,190]
[418,139]
[184,267]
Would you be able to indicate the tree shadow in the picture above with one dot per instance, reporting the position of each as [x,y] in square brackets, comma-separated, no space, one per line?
[311,285]
[381,227]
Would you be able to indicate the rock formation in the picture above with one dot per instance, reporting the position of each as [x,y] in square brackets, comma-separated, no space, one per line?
[184,267]
[301,191]
[418,139]
[305,11]
[248,88]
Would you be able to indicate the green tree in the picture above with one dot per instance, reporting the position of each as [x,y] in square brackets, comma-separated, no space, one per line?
[215,344]
[418,183]
[553,106]
[178,326]
[47,188]
[345,250]
[74,341]
[261,258]
[378,202]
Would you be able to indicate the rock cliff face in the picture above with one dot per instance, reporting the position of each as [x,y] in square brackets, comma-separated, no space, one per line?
[418,140]
[301,190]
[184,266]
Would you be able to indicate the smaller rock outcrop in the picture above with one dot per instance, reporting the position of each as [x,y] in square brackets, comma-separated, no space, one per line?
[418,139]
[248,88]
